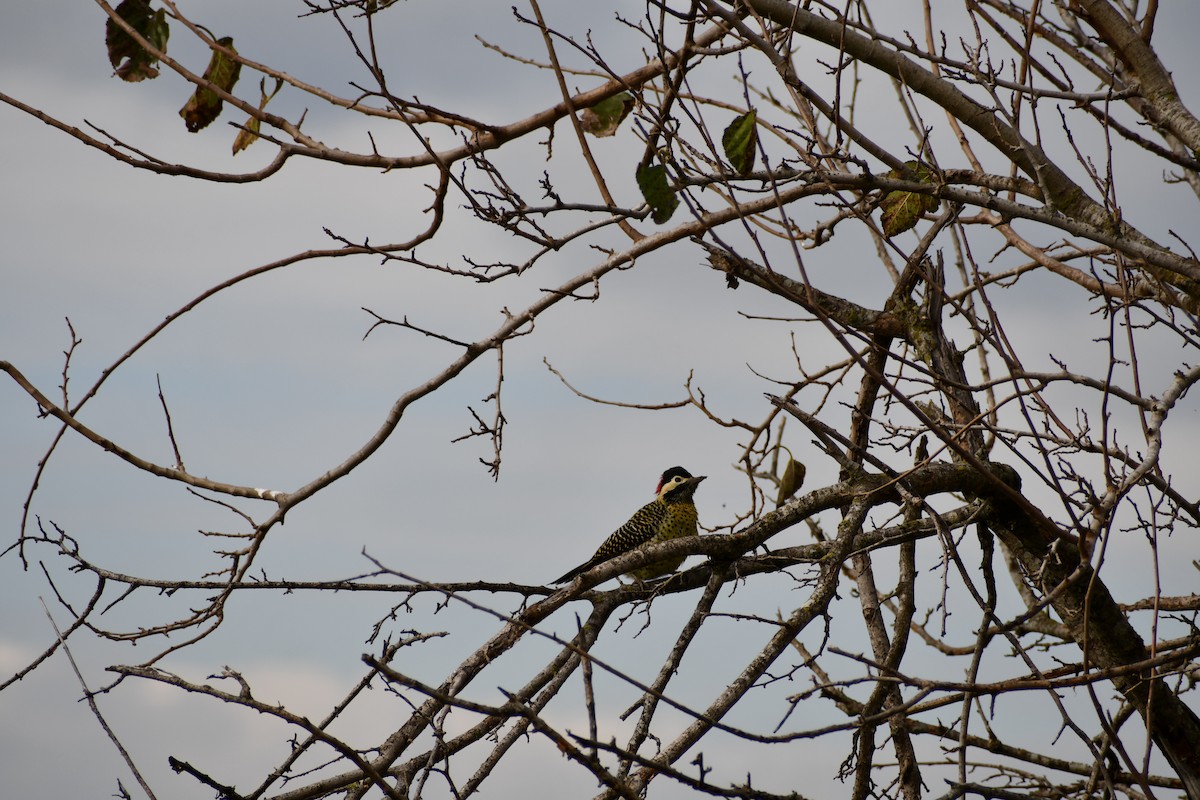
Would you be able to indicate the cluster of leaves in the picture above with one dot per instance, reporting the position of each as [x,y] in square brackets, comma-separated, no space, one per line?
[740,143]
[134,63]
[901,209]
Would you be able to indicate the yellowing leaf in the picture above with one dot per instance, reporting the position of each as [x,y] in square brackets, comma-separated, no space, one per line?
[740,142]
[248,135]
[131,61]
[792,480]
[605,117]
[204,105]
[652,180]
[902,210]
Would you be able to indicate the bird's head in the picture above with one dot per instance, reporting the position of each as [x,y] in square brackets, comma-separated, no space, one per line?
[677,484]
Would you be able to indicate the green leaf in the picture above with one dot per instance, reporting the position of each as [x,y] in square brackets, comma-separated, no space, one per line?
[132,61]
[902,210]
[605,117]
[740,142]
[204,105]
[652,180]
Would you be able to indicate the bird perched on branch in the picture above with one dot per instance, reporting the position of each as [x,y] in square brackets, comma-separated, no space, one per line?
[669,516]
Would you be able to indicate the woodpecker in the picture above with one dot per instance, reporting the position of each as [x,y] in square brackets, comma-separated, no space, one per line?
[669,516]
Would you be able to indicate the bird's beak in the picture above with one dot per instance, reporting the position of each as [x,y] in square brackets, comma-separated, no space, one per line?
[698,478]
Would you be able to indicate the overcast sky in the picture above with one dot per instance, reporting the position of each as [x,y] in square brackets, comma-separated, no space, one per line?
[271,384]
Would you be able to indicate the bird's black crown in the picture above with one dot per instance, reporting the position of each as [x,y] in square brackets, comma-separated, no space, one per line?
[674,472]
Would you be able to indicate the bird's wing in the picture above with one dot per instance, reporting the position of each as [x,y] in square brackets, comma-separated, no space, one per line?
[640,529]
